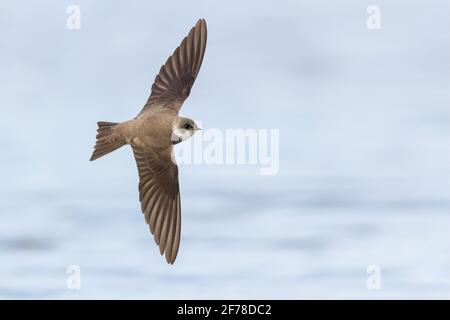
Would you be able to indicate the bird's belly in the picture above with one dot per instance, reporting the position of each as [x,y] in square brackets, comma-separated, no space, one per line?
[149,131]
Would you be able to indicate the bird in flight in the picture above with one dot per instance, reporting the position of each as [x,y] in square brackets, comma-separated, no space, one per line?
[152,134]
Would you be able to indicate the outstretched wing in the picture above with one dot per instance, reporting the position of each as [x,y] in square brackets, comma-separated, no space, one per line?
[159,195]
[175,79]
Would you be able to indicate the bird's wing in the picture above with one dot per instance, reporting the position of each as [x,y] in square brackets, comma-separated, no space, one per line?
[159,195]
[175,79]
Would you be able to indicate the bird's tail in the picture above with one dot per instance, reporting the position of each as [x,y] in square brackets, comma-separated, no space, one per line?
[107,140]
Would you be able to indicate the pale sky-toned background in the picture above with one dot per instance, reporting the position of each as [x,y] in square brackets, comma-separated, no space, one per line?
[364,119]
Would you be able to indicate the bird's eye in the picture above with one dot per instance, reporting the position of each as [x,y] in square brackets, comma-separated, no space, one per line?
[187,126]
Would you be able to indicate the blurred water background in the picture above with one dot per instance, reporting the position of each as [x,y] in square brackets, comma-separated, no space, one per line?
[364,119]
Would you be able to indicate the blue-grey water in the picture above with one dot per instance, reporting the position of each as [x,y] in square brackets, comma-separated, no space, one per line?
[364,119]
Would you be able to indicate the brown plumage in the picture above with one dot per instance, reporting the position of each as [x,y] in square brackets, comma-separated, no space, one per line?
[152,134]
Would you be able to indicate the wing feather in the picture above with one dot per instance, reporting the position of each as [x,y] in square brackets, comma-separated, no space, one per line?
[176,77]
[160,197]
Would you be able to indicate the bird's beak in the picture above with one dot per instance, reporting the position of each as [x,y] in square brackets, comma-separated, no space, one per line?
[199,128]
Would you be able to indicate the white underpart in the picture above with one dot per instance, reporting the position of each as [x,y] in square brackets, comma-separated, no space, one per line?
[181,134]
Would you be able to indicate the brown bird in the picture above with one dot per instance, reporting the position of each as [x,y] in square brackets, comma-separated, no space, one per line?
[152,134]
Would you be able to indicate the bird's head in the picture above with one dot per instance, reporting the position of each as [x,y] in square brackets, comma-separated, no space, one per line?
[183,129]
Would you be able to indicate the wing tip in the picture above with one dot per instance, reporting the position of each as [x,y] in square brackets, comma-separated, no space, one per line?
[201,23]
[170,260]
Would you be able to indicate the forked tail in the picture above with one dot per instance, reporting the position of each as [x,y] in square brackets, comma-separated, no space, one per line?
[107,140]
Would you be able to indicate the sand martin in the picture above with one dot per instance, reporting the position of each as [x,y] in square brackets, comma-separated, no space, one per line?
[152,134]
